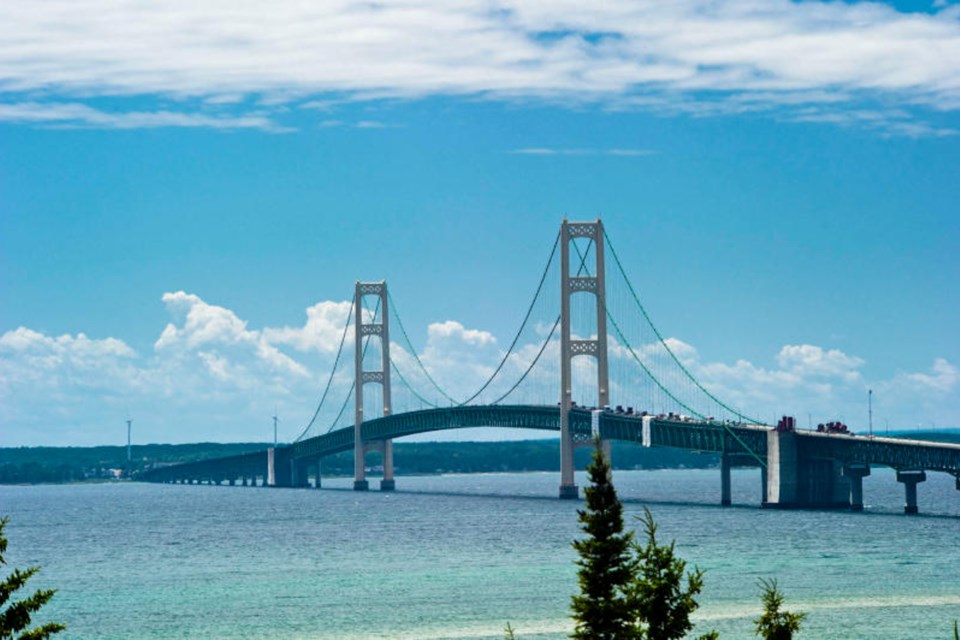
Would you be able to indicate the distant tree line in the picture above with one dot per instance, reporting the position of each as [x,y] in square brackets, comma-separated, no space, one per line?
[32,465]
[26,465]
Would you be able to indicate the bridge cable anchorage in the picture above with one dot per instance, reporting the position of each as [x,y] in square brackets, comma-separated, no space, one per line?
[353,386]
[333,371]
[526,318]
[687,373]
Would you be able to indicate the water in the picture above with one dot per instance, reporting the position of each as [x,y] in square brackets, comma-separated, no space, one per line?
[459,556]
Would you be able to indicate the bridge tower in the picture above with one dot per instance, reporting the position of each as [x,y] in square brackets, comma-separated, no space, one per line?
[570,348]
[381,376]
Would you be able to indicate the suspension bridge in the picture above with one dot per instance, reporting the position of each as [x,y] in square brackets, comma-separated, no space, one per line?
[620,379]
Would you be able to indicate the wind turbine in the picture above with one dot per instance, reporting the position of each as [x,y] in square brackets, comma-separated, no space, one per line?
[275,421]
[129,427]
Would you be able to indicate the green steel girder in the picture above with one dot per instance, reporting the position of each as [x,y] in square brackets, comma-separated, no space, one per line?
[698,436]
[899,454]
[445,418]
[224,468]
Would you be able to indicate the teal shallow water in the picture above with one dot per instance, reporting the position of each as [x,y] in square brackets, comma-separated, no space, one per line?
[459,556]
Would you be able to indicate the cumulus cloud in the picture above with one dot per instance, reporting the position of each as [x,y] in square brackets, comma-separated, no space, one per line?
[695,56]
[213,327]
[808,360]
[941,379]
[207,374]
[79,348]
[212,376]
[322,331]
[443,335]
[29,358]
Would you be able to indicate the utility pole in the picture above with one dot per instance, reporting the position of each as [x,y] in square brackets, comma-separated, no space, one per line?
[870,409]
[129,426]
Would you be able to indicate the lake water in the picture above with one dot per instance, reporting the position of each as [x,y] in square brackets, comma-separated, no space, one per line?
[459,556]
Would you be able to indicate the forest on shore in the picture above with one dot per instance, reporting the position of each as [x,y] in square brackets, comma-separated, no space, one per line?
[32,465]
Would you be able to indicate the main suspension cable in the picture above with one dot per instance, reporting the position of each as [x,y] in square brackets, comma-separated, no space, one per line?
[687,373]
[413,352]
[333,371]
[410,388]
[623,338]
[353,385]
[543,346]
[526,318]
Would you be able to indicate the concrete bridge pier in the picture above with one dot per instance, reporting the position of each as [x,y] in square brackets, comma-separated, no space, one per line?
[763,485]
[855,473]
[300,473]
[803,477]
[725,498]
[727,462]
[910,480]
[280,468]
[568,490]
[359,463]
[316,481]
[388,483]
[781,469]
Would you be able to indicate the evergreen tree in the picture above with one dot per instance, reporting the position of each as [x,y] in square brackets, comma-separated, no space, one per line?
[662,605]
[603,609]
[774,624]
[15,617]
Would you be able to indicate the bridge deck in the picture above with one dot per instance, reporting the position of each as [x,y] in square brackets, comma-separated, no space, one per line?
[746,441]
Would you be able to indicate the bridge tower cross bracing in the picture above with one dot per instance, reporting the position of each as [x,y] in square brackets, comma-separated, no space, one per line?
[571,348]
[381,330]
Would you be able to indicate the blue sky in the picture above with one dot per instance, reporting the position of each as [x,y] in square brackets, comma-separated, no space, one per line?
[779,179]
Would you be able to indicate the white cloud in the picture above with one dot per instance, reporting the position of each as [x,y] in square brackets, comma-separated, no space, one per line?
[210,376]
[695,56]
[943,379]
[322,331]
[214,327]
[808,360]
[80,348]
[443,335]
[76,115]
